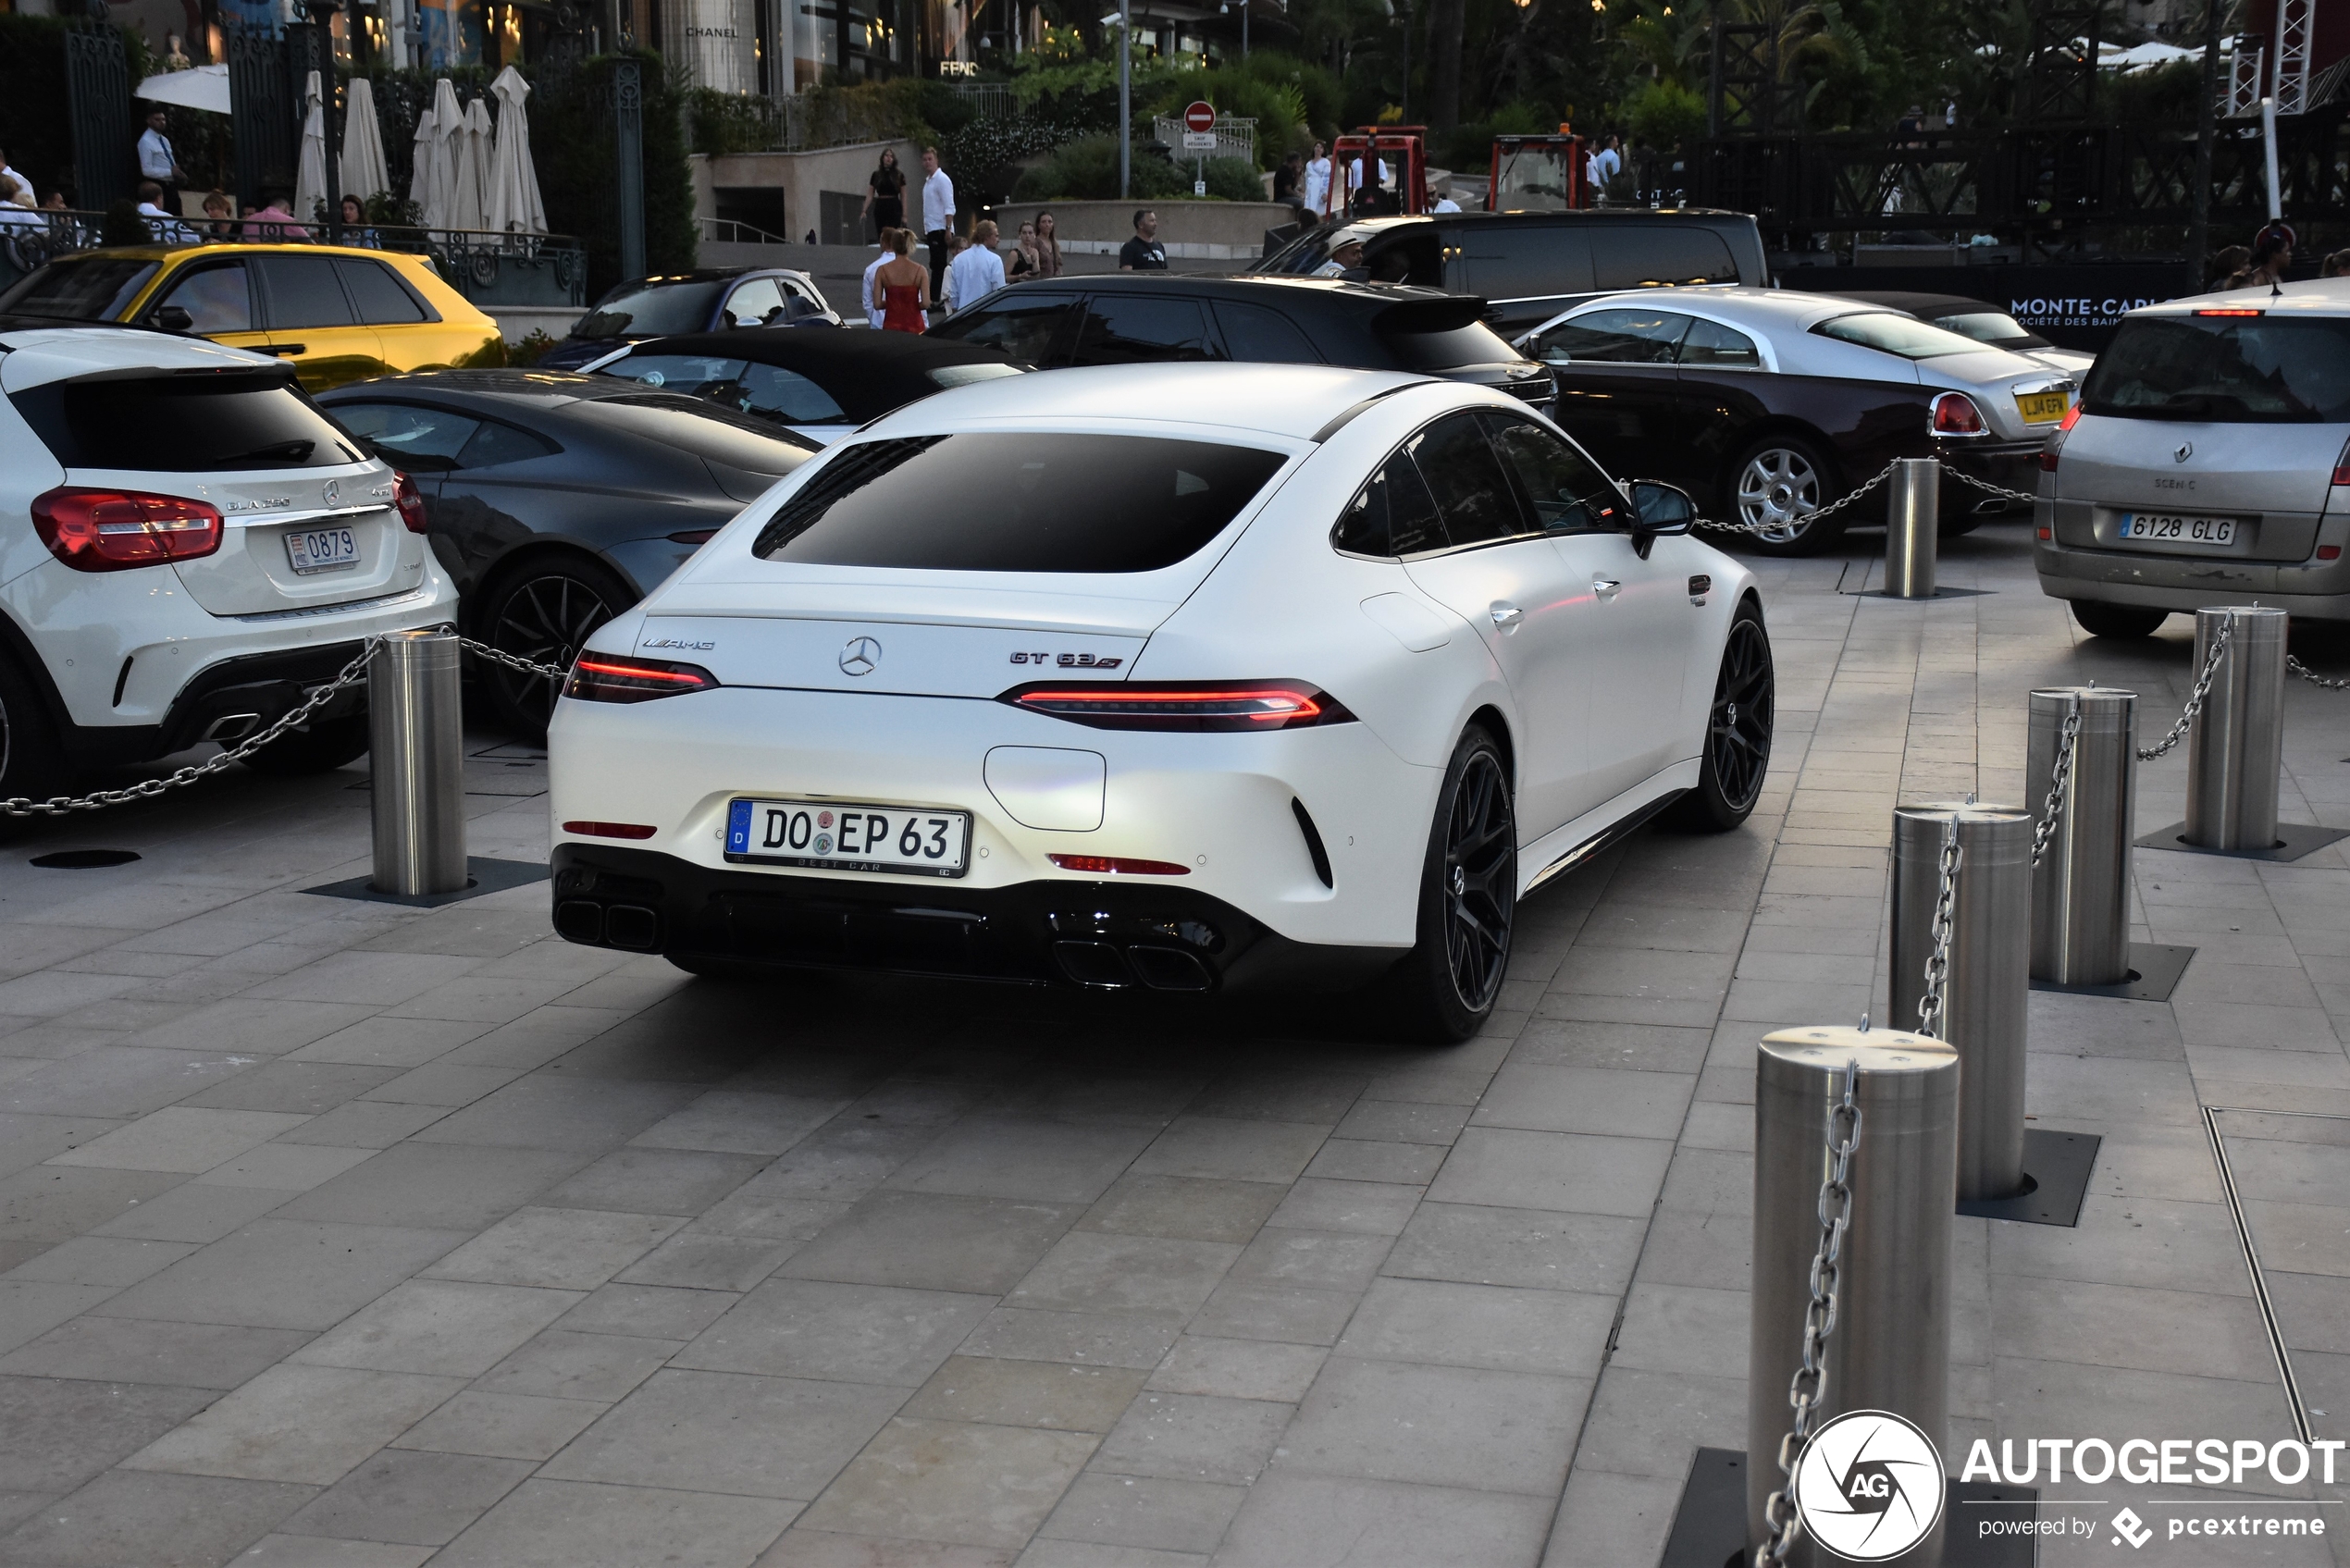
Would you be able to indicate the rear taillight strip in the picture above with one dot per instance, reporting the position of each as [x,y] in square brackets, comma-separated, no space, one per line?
[606,678]
[1238,704]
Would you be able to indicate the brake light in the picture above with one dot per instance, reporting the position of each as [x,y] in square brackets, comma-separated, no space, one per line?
[115,530]
[1955,414]
[2234,310]
[610,829]
[2071,417]
[2328,552]
[1165,704]
[2341,465]
[601,677]
[411,501]
[1118,866]
[2049,461]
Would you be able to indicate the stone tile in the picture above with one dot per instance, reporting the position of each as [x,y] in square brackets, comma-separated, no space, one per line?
[2135,1326]
[305,1424]
[304,1089]
[1140,1511]
[547,1112]
[756,1437]
[56,1434]
[284,1168]
[319,1551]
[934,1240]
[1043,1554]
[53,1203]
[1566,1172]
[1241,1369]
[1084,1338]
[695,1259]
[678,1181]
[1279,1094]
[407,1496]
[122,1350]
[1013,1157]
[1188,1208]
[1368,1207]
[282,1274]
[258,1025]
[197,1211]
[396,1043]
[815,1328]
[1504,1329]
[1233,1149]
[444,1084]
[454,1329]
[950,1481]
[1195,1438]
[560,1249]
[1001,1392]
[838,1163]
[1355,1159]
[803,1548]
[1248,1309]
[458,1186]
[1443,1426]
[1402,1121]
[1520,1247]
[1090,1271]
[548,1524]
[1295,1520]
[366,1124]
[155,1521]
[1605,1520]
[1329,1260]
[740,1122]
[1581,1099]
[1647,1423]
[501,1425]
[564,1364]
[101,1260]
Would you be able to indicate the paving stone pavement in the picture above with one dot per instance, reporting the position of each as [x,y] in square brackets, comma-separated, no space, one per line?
[341,1233]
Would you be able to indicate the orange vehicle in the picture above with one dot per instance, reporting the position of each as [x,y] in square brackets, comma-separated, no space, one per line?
[1405,191]
[1535,174]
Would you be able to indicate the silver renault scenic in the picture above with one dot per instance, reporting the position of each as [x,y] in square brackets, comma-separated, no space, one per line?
[2206,463]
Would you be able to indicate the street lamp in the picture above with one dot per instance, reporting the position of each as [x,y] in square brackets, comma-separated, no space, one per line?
[1125,24]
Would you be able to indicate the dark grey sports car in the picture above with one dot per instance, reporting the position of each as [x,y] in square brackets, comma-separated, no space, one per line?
[558,501]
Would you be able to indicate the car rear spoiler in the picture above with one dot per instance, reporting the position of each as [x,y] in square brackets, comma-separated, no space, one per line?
[1437,314]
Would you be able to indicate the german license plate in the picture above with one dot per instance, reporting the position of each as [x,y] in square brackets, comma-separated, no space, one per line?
[846,837]
[2165,525]
[2042,408]
[322,549]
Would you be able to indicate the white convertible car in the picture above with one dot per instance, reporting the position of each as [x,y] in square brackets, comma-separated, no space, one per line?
[1182,676]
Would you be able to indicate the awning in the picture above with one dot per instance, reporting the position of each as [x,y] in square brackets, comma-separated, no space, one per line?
[202,87]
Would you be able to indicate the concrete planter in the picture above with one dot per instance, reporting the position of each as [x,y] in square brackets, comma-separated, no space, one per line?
[1198,230]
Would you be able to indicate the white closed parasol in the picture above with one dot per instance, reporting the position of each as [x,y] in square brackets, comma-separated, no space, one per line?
[310,172]
[363,171]
[447,137]
[420,167]
[476,161]
[515,206]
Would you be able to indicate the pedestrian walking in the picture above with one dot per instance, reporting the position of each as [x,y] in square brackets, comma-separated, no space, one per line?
[978,271]
[1048,246]
[1026,261]
[157,161]
[872,270]
[1318,182]
[938,217]
[13,187]
[1144,252]
[902,289]
[885,197]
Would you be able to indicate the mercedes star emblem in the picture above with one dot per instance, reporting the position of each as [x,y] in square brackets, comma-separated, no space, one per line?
[2185,451]
[332,491]
[860,657]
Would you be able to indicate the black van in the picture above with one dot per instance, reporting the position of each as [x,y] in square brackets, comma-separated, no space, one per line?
[1529,267]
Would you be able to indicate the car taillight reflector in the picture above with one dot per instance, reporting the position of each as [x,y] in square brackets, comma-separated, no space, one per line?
[2233,310]
[2328,552]
[610,829]
[1118,866]
[1137,705]
[411,501]
[2047,462]
[601,677]
[1955,414]
[2047,533]
[115,530]
[2341,465]
[2071,417]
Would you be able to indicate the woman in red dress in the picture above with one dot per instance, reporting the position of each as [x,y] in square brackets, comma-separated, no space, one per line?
[902,289]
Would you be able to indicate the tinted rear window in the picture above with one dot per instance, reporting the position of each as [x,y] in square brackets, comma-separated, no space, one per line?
[1646,258]
[1474,344]
[706,430]
[1900,335]
[184,425]
[1525,261]
[303,292]
[2231,369]
[768,390]
[379,296]
[81,288]
[1028,502]
[655,310]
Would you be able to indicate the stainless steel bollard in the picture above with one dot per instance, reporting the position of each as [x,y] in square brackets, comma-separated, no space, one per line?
[2235,747]
[1986,996]
[1913,528]
[1891,1347]
[2081,888]
[416,733]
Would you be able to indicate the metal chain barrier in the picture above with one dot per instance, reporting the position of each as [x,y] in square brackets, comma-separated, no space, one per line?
[2195,699]
[1808,1388]
[1806,519]
[293,719]
[2060,782]
[1986,486]
[2294,666]
[1937,963]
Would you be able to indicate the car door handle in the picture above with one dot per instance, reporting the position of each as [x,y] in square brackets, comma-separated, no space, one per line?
[283,349]
[1507,616]
[1605,588]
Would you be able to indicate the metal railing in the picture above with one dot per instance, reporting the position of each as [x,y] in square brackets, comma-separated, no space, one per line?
[1235,137]
[734,232]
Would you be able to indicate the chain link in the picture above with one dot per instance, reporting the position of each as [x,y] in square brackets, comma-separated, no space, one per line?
[2195,698]
[1806,519]
[1986,486]
[1807,1390]
[2060,781]
[1937,962]
[293,719]
[2297,668]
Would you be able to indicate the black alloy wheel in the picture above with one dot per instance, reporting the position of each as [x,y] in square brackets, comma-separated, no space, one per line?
[1447,985]
[31,763]
[1738,731]
[545,613]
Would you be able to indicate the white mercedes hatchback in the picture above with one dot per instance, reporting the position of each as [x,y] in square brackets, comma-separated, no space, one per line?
[1180,677]
[187,546]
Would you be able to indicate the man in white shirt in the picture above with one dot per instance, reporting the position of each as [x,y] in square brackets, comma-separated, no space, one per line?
[157,161]
[938,217]
[15,187]
[1357,179]
[977,272]
[1604,166]
[872,306]
[1318,182]
[166,226]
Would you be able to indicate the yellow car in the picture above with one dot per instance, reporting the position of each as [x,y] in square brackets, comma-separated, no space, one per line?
[337,314]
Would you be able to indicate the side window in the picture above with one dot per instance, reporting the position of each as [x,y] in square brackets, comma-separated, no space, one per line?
[495,443]
[753,302]
[1525,263]
[425,438]
[1614,337]
[798,303]
[1473,492]
[1129,329]
[1641,257]
[786,395]
[1272,337]
[1392,514]
[1034,329]
[378,294]
[1708,343]
[1566,489]
[303,292]
[218,299]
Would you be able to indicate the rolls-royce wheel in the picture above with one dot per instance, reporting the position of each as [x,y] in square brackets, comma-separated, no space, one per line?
[1776,487]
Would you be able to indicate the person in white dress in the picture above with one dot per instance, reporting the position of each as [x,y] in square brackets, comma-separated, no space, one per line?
[1317,181]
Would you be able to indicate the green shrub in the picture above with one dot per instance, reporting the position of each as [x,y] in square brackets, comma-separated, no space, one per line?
[573,144]
[1664,115]
[1086,170]
[1231,179]
[527,352]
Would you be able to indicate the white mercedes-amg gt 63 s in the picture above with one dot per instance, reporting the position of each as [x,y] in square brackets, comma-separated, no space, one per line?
[1173,676]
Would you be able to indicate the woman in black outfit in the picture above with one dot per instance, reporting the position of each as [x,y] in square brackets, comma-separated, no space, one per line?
[885,194]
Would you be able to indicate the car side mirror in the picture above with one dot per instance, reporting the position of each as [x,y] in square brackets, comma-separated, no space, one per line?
[1659,510]
[174,319]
